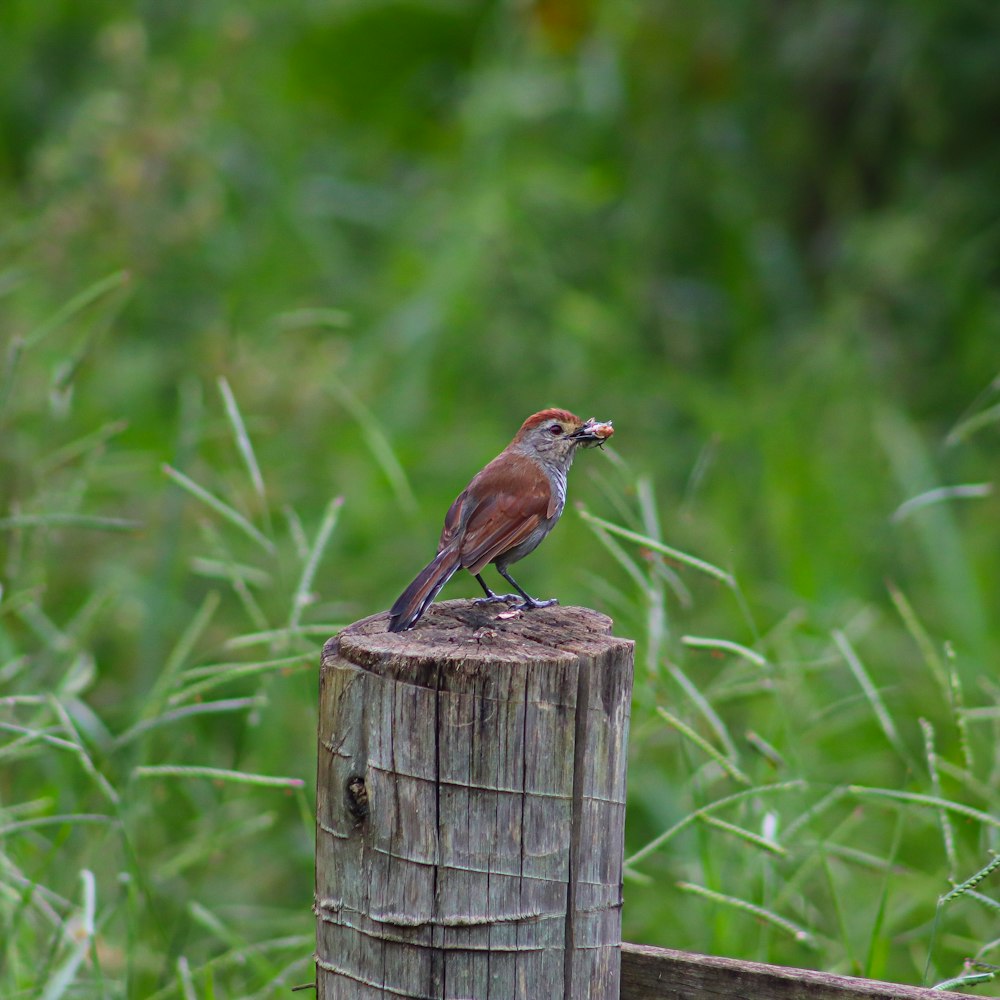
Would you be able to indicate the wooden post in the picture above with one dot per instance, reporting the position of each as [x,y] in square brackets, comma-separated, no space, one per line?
[471,807]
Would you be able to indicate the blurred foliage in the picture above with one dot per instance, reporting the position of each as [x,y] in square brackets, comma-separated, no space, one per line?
[763,238]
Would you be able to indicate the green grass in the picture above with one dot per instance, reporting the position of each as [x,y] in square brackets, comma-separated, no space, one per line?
[274,283]
[818,821]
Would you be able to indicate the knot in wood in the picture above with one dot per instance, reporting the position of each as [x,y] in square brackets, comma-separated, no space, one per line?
[356,796]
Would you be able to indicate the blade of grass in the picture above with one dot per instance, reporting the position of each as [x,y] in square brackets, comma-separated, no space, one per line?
[79,302]
[651,525]
[221,508]
[272,636]
[180,653]
[697,642]
[623,559]
[990,904]
[929,801]
[86,762]
[699,741]
[862,859]
[919,635]
[701,565]
[767,750]
[960,597]
[226,934]
[958,707]
[296,942]
[79,932]
[237,671]
[816,810]
[960,774]
[54,519]
[279,981]
[704,706]
[45,630]
[782,923]
[215,774]
[960,982]
[655,619]
[658,841]
[871,694]
[991,415]
[301,597]
[30,734]
[68,819]
[93,441]
[249,603]
[947,833]
[225,669]
[379,445]
[297,532]
[201,708]
[36,896]
[219,569]
[242,438]
[754,839]
[875,941]
[204,845]
[682,557]
[185,982]
[983,713]
[699,471]
[843,924]
[939,494]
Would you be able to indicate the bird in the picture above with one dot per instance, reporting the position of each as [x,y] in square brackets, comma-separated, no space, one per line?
[504,513]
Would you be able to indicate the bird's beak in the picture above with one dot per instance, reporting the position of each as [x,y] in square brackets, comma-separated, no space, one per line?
[593,432]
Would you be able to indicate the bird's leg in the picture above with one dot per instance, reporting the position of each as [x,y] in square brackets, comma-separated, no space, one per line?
[529,601]
[492,598]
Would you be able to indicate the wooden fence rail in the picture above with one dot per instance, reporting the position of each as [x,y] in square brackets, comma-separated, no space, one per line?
[470,820]
[663,974]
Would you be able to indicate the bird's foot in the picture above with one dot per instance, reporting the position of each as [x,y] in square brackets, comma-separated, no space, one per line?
[497,599]
[532,603]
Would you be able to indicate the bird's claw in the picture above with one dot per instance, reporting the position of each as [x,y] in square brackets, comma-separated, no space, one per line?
[539,604]
[516,601]
[530,603]
[497,599]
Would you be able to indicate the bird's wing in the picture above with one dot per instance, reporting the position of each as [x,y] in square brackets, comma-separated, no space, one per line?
[495,533]
[498,510]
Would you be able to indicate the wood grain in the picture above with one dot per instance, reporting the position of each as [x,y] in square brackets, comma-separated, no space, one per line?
[663,974]
[484,859]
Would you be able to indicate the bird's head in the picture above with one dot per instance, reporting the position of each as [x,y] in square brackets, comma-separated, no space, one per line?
[554,435]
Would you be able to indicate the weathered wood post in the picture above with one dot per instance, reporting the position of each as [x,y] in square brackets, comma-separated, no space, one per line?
[471,807]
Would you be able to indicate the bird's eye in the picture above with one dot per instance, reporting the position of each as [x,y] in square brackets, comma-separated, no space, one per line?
[556,429]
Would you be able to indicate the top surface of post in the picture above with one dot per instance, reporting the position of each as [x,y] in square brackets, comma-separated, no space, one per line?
[464,631]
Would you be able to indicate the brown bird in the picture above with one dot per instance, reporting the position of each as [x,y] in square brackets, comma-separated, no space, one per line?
[502,515]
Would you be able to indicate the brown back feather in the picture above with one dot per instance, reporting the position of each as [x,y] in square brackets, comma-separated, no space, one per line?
[490,517]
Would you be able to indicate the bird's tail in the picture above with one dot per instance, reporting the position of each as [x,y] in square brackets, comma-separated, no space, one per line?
[413,602]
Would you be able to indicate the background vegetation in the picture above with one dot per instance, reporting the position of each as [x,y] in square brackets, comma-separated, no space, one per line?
[258,257]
